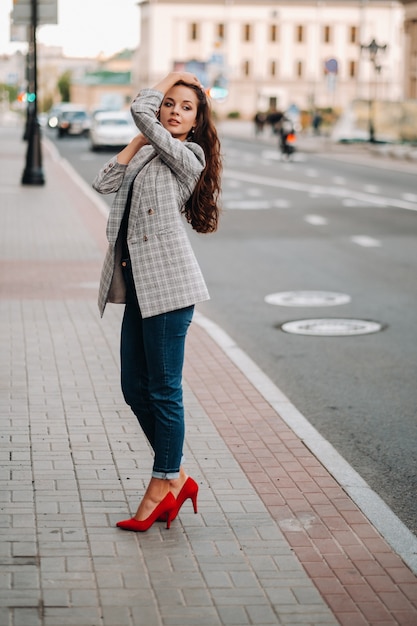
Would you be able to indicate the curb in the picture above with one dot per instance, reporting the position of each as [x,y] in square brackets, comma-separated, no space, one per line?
[399,537]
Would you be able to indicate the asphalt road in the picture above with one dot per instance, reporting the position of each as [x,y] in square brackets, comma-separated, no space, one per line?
[335,225]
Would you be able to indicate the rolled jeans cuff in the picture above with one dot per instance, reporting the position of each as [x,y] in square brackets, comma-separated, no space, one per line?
[166,475]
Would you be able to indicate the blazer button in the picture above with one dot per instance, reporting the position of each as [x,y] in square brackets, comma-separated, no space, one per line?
[151,211]
[145,237]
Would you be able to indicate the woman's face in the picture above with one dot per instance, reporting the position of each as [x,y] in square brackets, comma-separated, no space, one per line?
[178,112]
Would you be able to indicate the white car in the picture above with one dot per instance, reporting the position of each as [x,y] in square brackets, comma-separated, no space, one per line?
[112,129]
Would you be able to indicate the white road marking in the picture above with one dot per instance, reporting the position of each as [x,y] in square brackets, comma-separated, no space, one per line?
[248,205]
[275,155]
[339,180]
[324,190]
[316,220]
[371,189]
[365,241]
[410,197]
[254,192]
[311,173]
[350,202]
[271,154]
[227,196]
[281,203]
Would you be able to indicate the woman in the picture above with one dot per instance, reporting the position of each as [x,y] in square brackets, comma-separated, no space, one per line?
[171,167]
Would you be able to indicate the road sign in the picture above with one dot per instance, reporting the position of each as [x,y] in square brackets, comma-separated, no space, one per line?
[47,11]
[331,66]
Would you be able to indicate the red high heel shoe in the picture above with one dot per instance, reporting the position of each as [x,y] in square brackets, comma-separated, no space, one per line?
[188,490]
[166,508]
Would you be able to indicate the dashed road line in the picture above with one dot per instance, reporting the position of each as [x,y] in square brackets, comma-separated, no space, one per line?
[316,220]
[337,192]
[365,241]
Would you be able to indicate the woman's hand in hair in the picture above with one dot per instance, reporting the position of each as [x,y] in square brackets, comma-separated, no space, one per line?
[174,77]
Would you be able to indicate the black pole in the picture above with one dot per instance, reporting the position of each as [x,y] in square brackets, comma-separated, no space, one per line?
[29,79]
[33,173]
[371,120]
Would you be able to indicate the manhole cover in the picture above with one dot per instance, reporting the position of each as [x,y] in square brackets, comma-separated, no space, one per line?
[307,298]
[332,327]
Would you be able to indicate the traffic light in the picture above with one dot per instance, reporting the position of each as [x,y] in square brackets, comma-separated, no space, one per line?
[218,93]
[24,96]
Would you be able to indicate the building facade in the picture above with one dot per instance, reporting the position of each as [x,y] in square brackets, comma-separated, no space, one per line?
[108,85]
[410,27]
[273,54]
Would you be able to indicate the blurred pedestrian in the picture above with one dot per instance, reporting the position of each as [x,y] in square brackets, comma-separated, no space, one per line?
[274,119]
[171,167]
[317,122]
[286,136]
[259,120]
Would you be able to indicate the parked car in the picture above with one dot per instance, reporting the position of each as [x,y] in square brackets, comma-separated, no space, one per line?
[112,129]
[54,112]
[95,112]
[73,121]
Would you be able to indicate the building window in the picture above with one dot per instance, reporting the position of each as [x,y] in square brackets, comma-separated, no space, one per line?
[273,70]
[299,69]
[246,68]
[353,69]
[353,34]
[247,32]
[194,31]
[299,33]
[220,31]
[327,34]
[273,32]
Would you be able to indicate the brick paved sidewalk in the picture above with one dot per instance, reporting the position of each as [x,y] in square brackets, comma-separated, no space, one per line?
[276,539]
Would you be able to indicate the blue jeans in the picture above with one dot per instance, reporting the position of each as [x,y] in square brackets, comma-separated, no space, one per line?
[152,358]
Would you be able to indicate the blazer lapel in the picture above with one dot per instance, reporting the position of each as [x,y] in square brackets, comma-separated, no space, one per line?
[137,164]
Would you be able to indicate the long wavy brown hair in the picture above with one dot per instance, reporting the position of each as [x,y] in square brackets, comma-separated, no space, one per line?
[202,210]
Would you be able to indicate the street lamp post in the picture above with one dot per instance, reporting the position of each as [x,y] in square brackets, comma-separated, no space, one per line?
[373,48]
[33,172]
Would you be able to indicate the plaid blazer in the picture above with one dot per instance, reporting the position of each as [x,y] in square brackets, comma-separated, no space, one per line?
[163,174]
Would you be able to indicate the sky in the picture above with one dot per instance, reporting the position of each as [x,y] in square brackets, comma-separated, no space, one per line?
[85,27]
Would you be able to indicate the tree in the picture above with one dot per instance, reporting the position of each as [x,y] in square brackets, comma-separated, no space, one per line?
[64,84]
[10,91]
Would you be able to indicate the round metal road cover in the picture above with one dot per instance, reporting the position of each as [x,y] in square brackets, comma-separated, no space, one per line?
[331,327]
[307,298]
